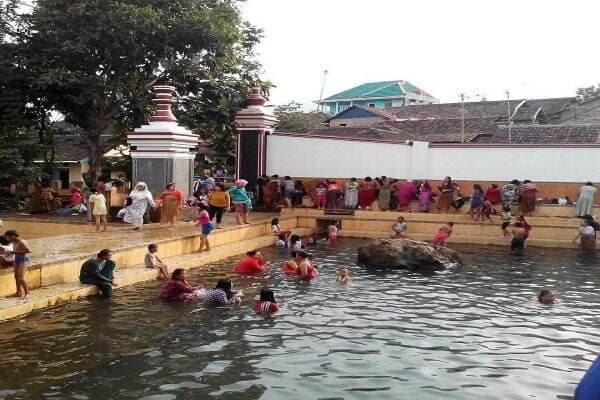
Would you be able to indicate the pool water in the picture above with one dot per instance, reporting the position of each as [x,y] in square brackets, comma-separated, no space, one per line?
[476,332]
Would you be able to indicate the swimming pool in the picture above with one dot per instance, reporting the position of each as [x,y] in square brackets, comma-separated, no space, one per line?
[472,333]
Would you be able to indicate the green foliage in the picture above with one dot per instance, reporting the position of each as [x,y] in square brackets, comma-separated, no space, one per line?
[94,62]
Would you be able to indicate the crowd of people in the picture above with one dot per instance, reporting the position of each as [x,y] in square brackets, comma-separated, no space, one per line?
[99,271]
[386,194]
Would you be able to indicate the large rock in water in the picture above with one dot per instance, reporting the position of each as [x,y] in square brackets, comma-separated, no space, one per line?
[406,253]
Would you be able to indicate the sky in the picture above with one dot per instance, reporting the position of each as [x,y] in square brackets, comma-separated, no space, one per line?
[532,48]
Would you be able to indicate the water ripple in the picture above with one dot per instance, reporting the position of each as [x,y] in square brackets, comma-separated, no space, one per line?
[470,333]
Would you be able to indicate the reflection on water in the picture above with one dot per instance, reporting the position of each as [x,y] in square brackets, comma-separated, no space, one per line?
[473,333]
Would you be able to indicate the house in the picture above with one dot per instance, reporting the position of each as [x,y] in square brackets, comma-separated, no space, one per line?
[385,94]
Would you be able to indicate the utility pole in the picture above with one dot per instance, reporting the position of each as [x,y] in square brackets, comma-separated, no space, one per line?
[462,119]
[509,117]
[322,89]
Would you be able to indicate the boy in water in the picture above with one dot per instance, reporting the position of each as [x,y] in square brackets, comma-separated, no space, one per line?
[333,233]
[546,297]
[344,276]
[518,237]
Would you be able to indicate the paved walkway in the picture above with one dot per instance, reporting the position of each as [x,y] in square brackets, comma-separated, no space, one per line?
[54,248]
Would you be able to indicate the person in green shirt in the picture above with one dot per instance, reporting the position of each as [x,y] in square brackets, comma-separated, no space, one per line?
[99,272]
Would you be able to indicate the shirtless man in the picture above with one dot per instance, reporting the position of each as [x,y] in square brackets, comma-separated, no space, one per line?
[518,234]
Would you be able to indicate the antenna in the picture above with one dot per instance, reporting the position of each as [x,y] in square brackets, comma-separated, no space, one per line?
[320,106]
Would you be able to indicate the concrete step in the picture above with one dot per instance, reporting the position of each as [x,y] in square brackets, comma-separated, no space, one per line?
[61,292]
[480,240]
[58,260]
[433,217]
[469,228]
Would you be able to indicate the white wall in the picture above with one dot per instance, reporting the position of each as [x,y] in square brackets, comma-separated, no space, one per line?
[542,164]
[309,157]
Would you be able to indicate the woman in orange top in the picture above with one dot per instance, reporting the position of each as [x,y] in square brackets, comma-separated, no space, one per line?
[171,202]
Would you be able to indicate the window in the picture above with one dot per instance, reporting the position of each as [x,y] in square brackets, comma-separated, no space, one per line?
[372,105]
[388,104]
[63,175]
[342,124]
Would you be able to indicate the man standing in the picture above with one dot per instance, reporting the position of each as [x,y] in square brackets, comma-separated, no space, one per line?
[99,272]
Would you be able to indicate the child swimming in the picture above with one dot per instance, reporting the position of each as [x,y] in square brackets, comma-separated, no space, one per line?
[332,230]
[344,276]
[266,303]
[546,297]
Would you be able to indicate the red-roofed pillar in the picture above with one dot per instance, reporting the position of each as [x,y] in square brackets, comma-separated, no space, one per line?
[252,126]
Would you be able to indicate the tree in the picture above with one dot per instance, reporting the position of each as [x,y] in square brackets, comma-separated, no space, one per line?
[95,62]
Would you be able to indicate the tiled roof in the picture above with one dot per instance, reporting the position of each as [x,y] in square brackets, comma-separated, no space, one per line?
[444,130]
[379,133]
[478,109]
[377,89]
[544,134]
[378,112]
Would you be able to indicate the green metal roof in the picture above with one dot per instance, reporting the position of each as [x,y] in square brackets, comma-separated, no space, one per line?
[376,90]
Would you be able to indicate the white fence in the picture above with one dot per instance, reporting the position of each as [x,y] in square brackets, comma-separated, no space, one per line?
[312,157]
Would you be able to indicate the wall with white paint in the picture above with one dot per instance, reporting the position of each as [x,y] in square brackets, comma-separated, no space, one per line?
[310,157]
[317,157]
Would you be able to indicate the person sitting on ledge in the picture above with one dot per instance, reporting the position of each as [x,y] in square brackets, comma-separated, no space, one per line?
[99,272]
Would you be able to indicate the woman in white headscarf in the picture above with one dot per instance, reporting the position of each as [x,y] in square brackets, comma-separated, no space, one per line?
[137,203]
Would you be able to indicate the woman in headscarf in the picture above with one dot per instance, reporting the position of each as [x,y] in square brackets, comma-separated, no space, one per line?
[171,201]
[138,201]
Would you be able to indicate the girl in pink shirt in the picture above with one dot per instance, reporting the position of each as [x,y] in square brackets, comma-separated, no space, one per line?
[203,220]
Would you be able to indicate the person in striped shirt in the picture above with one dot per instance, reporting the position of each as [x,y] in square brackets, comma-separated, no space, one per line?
[222,294]
[266,303]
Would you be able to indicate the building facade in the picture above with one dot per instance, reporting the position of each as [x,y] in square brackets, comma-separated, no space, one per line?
[384,94]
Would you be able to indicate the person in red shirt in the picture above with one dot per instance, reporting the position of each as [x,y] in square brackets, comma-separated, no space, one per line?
[492,194]
[266,303]
[251,264]
[178,288]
